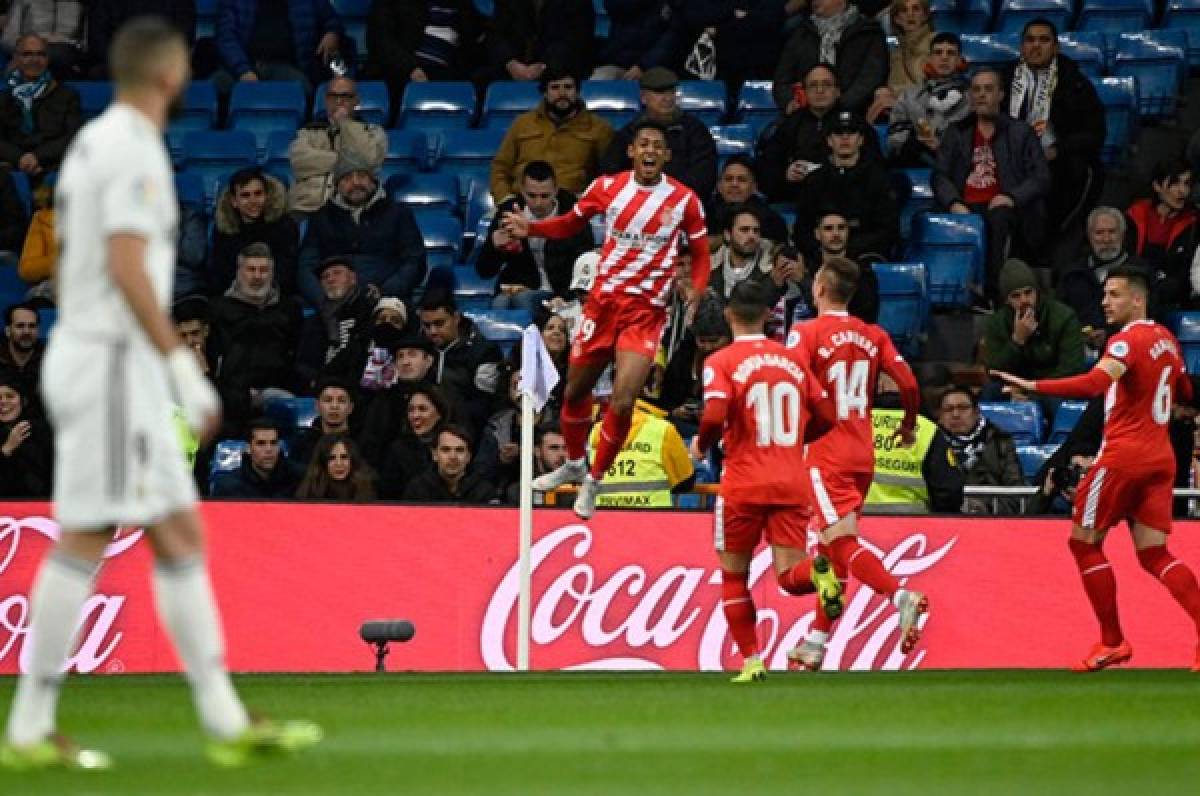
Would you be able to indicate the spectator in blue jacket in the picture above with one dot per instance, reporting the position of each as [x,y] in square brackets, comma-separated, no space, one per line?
[265,473]
[362,222]
[277,40]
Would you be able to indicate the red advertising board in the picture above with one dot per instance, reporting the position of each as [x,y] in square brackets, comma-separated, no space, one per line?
[631,590]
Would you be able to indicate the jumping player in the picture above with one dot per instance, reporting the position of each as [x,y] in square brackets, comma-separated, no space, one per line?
[761,398]
[624,316]
[113,363]
[1131,479]
[845,355]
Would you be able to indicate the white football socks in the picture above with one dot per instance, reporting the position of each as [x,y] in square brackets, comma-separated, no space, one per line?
[63,586]
[189,613]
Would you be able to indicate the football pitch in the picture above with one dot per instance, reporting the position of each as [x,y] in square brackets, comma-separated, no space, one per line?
[1028,732]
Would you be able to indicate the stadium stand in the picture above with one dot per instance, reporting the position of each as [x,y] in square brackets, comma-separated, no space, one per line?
[1185,15]
[437,105]
[951,247]
[1033,457]
[425,193]
[505,100]
[1158,60]
[1114,16]
[443,234]
[1014,14]
[903,303]
[704,99]
[615,101]
[215,154]
[265,106]
[374,106]
[961,16]
[1065,417]
[94,96]
[1021,419]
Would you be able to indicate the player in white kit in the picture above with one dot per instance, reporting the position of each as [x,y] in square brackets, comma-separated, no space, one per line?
[113,369]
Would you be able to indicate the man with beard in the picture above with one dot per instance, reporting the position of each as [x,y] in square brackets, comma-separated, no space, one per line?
[693,152]
[746,254]
[22,352]
[738,187]
[389,251]
[832,235]
[560,131]
[922,113]
[329,341]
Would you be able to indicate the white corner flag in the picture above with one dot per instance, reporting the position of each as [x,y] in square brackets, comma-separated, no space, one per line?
[539,377]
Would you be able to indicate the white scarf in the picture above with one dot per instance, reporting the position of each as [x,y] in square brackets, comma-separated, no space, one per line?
[831,30]
[1037,88]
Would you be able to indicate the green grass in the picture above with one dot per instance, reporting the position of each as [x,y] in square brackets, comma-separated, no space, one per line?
[1121,732]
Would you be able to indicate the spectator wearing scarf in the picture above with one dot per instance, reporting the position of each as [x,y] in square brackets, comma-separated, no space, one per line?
[925,111]
[836,34]
[38,115]
[970,451]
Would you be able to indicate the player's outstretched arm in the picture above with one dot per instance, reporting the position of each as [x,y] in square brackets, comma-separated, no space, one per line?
[567,225]
[1085,385]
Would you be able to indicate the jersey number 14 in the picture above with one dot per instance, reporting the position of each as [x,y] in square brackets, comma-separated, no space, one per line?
[849,382]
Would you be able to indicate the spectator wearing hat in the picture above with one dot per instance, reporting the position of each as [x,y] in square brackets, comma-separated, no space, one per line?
[332,342]
[693,151]
[26,446]
[451,478]
[335,407]
[385,419]
[858,188]
[737,186]
[531,270]
[315,150]
[362,221]
[264,473]
[1032,335]
[924,111]
[253,209]
[560,131]
[682,389]
[527,38]
[389,322]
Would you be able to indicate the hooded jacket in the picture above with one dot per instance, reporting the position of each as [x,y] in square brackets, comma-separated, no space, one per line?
[862,62]
[231,234]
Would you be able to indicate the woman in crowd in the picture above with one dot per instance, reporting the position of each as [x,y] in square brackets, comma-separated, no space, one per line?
[26,447]
[427,411]
[337,472]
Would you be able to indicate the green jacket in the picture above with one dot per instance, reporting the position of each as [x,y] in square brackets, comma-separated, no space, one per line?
[1053,351]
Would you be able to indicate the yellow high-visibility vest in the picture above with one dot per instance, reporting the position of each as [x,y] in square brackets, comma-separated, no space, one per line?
[898,486]
[653,460]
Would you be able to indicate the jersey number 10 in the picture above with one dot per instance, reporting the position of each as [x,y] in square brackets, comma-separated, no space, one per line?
[776,410]
[849,382]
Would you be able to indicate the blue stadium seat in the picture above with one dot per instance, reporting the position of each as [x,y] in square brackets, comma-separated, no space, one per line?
[704,99]
[478,211]
[502,327]
[199,110]
[961,16]
[756,106]
[442,234]
[1065,417]
[472,292]
[1021,419]
[1086,49]
[1158,59]
[616,101]
[1014,14]
[467,154]
[914,190]
[991,49]
[903,303]
[189,189]
[425,193]
[1185,15]
[1114,16]
[374,105]
[732,139]
[206,18]
[1032,457]
[275,158]
[94,96]
[47,317]
[505,100]
[1186,326]
[1119,97]
[24,191]
[437,105]
[215,154]
[264,106]
[951,247]
[227,458]
[407,152]
[12,287]
[291,414]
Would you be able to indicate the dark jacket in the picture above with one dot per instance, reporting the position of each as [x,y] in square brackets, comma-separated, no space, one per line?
[1080,290]
[559,34]
[637,26]
[1020,165]
[863,194]
[467,371]
[56,118]
[245,482]
[14,221]
[1076,113]
[386,419]
[310,20]
[1171,266]
[256,345]
[862,62]
[191,254]
[800,136]
[502,428]
[304,444]
[693,153]
[29,472]
[774,228]
[1054,350]
[747,44]
[277,229]
[335,346]
[384,242]
[428,487]
[395,29]
[105,18]
[519,268]
[406,459]
[996,465]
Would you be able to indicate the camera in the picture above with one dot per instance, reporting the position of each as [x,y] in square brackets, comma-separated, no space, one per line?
[1065,478]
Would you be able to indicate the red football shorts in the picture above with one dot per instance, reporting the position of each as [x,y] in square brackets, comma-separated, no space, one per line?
[738,527]
[612,323]
[1108,494]
[836,493]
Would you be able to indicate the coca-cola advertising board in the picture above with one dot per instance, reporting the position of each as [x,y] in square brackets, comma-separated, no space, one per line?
[629,590]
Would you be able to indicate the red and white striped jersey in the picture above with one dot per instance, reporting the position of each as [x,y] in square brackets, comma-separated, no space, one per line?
[642,226]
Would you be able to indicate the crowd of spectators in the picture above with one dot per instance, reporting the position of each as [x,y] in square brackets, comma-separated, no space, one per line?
[316,283]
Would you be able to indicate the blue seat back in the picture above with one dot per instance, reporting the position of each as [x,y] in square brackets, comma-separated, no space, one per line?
[467,154]
[1158,59]
[1032,457]
[618,102]
[94,96]
[503,327]
[437,193]
[1114,16]
[1065,417]
[408,151]
[991,49]
[199,110]
[442,234]
[505,100]
[755,105]
[961,16]
[1086,49]
[952,249]
[704,99]
[1021,419]
[437,105]
[903,303]
[1185,15]
[1014,14]
[264,106]
[1119,97]
[189,189]
[215,154]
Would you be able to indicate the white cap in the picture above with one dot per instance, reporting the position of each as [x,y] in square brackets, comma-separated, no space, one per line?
[394,304]
[584,274]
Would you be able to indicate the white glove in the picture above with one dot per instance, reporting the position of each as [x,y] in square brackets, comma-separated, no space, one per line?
[197,397]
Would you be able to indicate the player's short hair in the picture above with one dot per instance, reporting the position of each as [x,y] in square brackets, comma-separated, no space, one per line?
[1137,278]
[243,177]
[259,251]
[749,301]
[739,209]
[10,312]
[454,429]
[841,276]
[538,171]
[648,124]
[140,48]
[439,299]
[1040,22]
[958,389]
[262,424]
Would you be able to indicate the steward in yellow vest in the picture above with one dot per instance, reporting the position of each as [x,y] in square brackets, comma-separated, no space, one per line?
[899,483]
[652,462]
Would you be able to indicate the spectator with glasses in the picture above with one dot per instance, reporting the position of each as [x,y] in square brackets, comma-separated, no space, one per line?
[38,115]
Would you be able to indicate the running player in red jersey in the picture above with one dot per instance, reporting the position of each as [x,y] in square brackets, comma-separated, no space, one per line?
[845,355]
[1139,374]
[623,319]
[762,399]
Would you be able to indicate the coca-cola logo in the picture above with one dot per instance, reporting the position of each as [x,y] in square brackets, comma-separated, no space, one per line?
[667,611]
[98,618]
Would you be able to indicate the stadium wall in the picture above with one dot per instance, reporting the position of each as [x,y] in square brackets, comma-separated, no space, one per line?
[634,590]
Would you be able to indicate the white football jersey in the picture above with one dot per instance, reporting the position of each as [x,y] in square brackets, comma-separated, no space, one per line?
[116,177]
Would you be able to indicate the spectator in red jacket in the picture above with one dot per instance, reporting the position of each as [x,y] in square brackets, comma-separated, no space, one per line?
[1162,230]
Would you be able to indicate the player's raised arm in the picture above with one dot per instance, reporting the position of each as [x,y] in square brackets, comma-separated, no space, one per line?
[1085,385]
[565,225]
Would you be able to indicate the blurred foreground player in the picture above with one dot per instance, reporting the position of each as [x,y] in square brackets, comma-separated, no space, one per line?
[846,354]
[1132,477]
[762,401]
[113,366]
[623,319]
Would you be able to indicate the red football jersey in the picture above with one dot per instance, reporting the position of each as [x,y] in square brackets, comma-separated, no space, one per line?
[765,396]
[845,354]
[1137,407]
[642,226]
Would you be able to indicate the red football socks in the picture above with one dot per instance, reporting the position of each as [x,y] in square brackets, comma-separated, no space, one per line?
[1101,587]
[860,562]
[738,606]
[1176,576]
[798,579]
[613,432]
[576,421]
